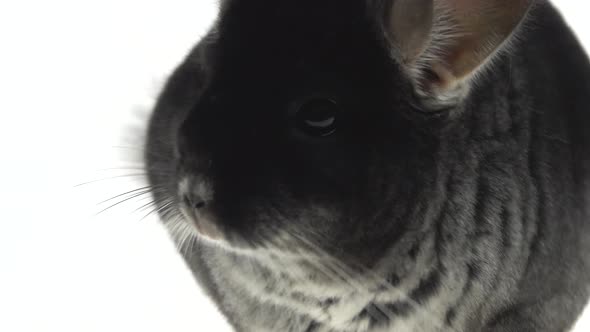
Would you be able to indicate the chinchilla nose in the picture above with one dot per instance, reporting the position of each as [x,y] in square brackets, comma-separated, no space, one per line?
[194,201]
[196,193]
[197,196]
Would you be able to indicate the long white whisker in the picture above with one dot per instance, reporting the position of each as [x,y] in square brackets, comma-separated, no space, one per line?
[147,189]
[354,279]
[165,205]
[373,277]
[111,178]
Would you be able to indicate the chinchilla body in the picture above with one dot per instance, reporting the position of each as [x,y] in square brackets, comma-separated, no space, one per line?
[393,165]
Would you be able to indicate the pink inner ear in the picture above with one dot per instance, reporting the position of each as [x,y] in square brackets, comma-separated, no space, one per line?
[479,29]
[443,42]
[411,26]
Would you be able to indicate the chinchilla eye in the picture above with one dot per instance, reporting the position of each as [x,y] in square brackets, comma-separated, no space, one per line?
[317,117]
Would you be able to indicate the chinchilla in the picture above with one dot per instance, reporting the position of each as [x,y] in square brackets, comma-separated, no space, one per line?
[381,165]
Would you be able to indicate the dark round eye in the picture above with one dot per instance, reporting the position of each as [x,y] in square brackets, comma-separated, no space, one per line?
[317,117]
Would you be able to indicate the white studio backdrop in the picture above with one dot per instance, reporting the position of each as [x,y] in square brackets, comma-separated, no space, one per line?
[77,81]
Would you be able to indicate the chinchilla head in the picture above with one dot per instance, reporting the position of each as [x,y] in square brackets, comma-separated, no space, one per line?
[317,120]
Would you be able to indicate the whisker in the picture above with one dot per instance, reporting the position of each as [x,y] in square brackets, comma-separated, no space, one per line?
[151,203]
[186,235]
[181,232]
[147,188]
[152,169]
[123,201]
[175,225]
[158,210]
[376,279]
[165,213]
[141,149]
[111,178]
[346,276]
[301,277]
[349,276]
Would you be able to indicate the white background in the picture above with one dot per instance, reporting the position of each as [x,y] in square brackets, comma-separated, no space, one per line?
[77,80]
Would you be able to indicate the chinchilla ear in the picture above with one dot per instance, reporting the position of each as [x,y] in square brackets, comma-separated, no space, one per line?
[443,43]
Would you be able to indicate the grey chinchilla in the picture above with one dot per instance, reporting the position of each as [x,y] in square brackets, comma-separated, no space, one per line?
[381,165]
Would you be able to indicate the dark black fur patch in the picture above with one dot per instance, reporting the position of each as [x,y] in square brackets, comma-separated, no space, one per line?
[391,281]
[400,308]
[414,250]
[313,327]
[382,314]
[427,287]
[450,316]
